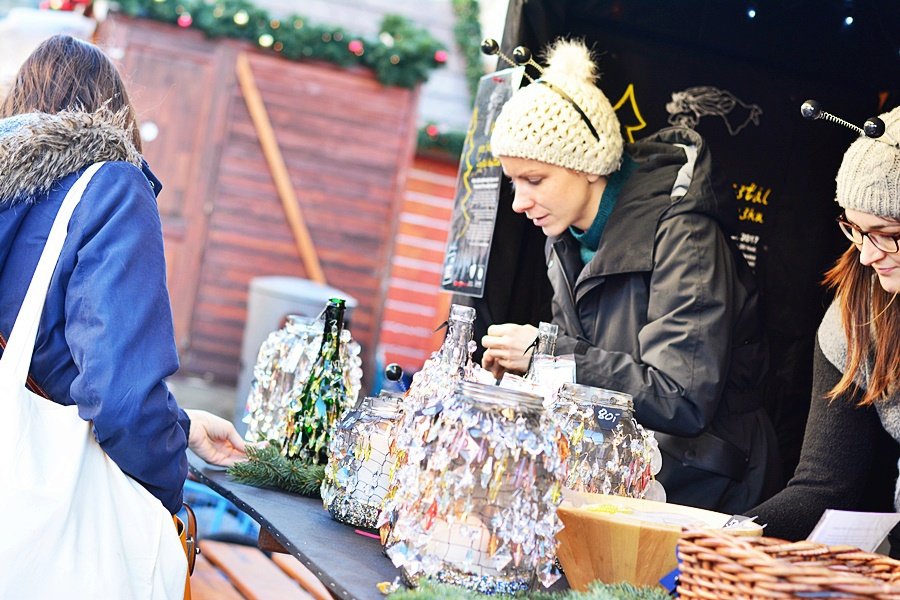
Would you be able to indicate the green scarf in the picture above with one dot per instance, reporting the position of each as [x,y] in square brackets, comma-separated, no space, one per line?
[590,240]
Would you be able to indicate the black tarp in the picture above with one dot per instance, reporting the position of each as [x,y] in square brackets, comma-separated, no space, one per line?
[739,81]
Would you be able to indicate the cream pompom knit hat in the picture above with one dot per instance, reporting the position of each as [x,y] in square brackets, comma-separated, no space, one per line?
[869,177]
[540,123]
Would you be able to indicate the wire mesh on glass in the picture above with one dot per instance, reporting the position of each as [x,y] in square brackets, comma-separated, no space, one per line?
[481,510]
[359,465]
[610,452]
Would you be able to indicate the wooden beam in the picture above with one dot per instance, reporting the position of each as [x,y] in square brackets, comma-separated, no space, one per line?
[306,578]
[278,168]
[207,583]
[252,573]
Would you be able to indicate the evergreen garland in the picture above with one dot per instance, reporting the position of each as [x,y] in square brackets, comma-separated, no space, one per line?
[266,467]
[467,31]
[446,144]
[402,54]
[596,591]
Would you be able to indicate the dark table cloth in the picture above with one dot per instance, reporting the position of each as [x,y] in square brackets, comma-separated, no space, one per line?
[348,563]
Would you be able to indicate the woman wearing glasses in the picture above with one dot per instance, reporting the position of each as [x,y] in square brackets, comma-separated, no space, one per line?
[850,450]
[648,294]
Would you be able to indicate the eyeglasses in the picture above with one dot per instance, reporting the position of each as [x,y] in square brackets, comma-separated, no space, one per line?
[886,242]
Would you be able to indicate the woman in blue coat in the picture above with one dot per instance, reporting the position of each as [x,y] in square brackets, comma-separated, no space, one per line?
[106,340]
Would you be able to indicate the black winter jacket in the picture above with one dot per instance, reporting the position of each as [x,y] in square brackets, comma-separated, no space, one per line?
[667,311]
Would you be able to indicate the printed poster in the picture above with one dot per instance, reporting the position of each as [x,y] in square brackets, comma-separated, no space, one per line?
[477,190]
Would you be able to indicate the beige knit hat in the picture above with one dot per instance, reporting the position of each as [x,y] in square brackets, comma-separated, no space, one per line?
[541,122]
[869,177]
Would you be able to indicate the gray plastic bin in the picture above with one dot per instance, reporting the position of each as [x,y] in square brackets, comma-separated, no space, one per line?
[270,300]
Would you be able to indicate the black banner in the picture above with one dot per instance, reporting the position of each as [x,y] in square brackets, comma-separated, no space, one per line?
[477,190]
[739,81]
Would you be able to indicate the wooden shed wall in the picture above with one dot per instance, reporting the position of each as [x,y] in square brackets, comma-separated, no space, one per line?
[416,305]
[347,142]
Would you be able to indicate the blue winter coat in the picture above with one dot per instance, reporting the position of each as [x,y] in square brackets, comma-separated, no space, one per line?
[106,340]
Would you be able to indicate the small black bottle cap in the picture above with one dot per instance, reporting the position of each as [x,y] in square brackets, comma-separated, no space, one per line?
[393,372]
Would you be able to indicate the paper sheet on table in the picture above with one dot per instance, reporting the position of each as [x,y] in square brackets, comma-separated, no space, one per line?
[864,530]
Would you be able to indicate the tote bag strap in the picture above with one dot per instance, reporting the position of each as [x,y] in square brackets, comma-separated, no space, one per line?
[16,359]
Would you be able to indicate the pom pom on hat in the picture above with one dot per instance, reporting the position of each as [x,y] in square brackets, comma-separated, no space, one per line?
[869,177]
[540,124]
[568,58]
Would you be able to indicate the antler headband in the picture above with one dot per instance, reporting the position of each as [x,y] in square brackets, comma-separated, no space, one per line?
[522,56]
[873,127]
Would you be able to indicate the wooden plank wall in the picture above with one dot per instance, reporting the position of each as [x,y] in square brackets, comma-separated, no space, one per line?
[348,143]
[415,304]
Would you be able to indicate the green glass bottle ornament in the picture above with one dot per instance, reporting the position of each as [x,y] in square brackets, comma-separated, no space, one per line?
[318,405]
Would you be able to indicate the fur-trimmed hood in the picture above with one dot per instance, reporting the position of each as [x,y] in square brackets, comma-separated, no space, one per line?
[37,149]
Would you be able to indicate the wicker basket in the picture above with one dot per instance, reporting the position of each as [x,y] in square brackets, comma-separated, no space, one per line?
[716,566]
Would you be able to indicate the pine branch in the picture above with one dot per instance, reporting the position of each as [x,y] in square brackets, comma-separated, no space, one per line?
[597,591]
[266,467]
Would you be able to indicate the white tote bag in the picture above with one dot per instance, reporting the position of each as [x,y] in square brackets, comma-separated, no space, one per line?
[73,524]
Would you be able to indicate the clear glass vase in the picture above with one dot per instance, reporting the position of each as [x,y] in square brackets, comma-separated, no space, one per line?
[610,453]
[481,510]
[359,462]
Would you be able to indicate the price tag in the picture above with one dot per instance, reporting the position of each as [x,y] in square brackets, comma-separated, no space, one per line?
[864,530]
[736,521]
[551,372]
[607,417]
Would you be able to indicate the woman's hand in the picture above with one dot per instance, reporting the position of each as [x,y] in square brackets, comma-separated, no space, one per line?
[505,348]
[214,439]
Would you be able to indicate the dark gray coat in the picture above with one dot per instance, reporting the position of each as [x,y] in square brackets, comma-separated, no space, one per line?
[849,457]
[667,312]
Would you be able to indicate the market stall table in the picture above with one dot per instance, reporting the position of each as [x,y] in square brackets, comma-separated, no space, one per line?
[348,563]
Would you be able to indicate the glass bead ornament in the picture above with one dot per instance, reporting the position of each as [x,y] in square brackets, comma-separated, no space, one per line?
[284,356]
[432,388]
[610,452]
[481,511]
[359,463]
[282,367]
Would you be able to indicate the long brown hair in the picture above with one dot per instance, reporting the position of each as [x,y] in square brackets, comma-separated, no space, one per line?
[871,326]
[65,73]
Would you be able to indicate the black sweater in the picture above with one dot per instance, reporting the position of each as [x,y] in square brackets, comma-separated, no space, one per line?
[848,462]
